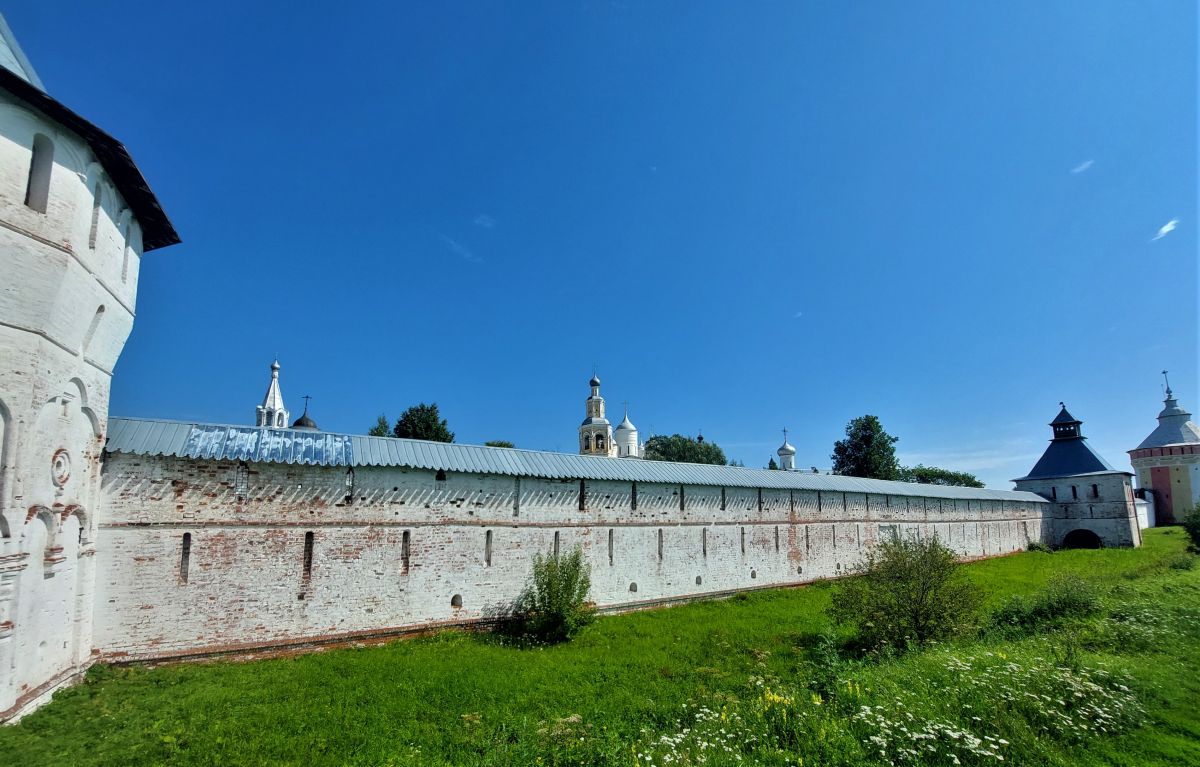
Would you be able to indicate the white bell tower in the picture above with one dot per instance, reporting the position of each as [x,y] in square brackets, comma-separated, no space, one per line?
[271,413]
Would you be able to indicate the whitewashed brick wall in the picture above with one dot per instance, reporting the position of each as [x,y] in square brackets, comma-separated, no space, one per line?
[246,587]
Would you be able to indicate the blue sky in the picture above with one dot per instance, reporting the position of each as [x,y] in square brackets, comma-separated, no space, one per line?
[745,215]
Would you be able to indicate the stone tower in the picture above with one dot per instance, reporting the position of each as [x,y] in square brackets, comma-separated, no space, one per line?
[596,433]
[1168,462]
[272,413]
[75,218]
[1092,502]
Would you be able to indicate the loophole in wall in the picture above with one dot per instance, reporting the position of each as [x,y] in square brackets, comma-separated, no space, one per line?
[699,580]
[456,600]
[633,587]
[753,573]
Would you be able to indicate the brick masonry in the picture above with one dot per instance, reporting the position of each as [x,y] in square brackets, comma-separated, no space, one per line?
[246,585]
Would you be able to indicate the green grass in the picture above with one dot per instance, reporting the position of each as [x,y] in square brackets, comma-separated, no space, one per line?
[459,698]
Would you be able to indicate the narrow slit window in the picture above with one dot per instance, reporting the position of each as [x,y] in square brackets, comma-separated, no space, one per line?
[1095,491]
[308,556]
[41,163]
[610,547]
[660,544]
[1074,493]
[722,499]
[1054,493]
[633,497]
[125,254]
[404,551]
[97,203]
[582,495]
[556,538]
[185,557]
[776,538]
[681,498]
[487,549]
[440,476]
[760,500]
[743,540]
[704,542]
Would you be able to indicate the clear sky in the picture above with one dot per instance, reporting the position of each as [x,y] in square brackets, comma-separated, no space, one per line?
[745,215]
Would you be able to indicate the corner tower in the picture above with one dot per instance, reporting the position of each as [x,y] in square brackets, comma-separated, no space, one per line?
[1168,462]
[1092,502]
[596,433]
[76,216]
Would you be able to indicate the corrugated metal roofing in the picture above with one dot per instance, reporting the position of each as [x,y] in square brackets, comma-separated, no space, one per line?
[248,443]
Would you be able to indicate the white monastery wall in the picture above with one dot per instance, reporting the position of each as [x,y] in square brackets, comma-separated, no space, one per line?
[395,556]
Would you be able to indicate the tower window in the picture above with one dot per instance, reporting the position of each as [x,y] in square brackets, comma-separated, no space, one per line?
[96,205]
[41,163]
[1054,493]
[1095,491]
[1074,493]
[587,442]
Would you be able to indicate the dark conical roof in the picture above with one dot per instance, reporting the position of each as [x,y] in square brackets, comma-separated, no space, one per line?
[1064,417]
[1068,453]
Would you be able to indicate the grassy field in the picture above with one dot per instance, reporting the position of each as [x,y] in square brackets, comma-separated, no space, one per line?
[747,680]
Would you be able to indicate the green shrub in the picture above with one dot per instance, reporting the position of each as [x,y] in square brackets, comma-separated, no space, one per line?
[1039,546]
[1183,562]
[553,607]
[907,592]
[1191,525]
[1064,597]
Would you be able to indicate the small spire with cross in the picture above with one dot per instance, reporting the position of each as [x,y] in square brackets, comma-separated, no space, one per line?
[1167,382]
[306,398]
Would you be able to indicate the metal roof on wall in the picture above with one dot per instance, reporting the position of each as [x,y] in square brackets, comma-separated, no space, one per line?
[137,436]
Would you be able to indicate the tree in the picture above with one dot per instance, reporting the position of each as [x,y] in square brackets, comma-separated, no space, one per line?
[909,591]
[554,605]
[423,422]
[932,475]
[683,450]
[381,428]
[499,443]
[1191,526]
[867,451]
[772,465]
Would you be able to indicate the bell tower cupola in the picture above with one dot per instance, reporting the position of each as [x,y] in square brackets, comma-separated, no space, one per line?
[596,433]
[271,413]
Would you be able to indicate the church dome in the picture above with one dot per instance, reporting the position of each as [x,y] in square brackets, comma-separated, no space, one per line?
[786,449]
[626,425]
[595,381]
[305,423]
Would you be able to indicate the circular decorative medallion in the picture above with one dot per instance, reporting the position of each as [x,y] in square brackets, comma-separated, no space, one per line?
[60,467]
